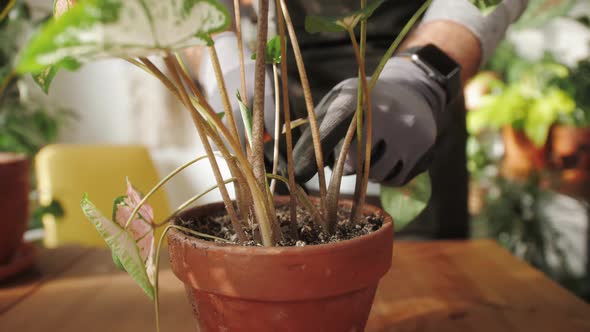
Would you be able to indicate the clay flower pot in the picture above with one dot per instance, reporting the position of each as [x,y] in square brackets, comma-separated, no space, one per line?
[14,201]
[570,150]
[313,288]
[521,156]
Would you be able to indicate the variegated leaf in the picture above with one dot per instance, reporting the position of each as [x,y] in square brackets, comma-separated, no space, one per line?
[141,226]
[94,29]
[122,245]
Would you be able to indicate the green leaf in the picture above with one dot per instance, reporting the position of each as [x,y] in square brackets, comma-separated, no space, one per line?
[273,51]
[406,203]
[315,24]
[95,29]
[295,124]
[45,77]
[117,262]
[246,117]
[485,6]
[122,245]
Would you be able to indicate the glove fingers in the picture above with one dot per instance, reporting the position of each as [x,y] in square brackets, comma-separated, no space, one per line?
[334,114]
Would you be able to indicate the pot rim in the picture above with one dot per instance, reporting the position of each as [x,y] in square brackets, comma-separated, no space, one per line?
[285,250]
[9,158]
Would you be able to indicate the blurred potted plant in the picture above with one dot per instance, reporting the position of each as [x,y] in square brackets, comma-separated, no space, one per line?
[258,256]
[570,146]
[525,110]
[25,126]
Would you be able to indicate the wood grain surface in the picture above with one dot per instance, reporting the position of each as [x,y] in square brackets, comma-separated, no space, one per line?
[432,286]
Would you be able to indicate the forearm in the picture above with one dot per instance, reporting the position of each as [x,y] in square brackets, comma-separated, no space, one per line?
[460,29]
[452,38]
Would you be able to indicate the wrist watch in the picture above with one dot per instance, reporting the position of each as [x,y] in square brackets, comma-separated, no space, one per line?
[438,66]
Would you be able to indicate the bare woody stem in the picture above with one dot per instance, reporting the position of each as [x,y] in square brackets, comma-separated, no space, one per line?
[336,179]
[238,18]
[277,129]
[315,131]
[259,200]
[359,115]
[358,204]
[229,114]
[231,211]
[258,106]
[287,118]
[152,69]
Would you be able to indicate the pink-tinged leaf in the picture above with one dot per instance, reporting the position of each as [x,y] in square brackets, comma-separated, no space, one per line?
[123,247]
[146,211]
[141,228]
[62,6]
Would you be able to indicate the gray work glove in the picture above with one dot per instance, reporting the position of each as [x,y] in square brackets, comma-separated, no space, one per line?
[405,103]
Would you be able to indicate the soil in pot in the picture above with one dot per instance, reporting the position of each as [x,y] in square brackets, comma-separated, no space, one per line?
[14,200]
[307,231]
[324,287]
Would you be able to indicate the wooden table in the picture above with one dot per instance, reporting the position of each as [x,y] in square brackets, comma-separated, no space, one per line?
[436,286]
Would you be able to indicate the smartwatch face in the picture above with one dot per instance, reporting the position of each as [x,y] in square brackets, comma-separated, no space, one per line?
[439,60]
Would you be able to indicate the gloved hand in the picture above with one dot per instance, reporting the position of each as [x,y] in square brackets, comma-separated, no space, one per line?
[226,45]
[405,103]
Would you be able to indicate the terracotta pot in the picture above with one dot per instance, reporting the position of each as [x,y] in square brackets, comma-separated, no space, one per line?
[313,288]
[570,151]
[14,200]
[521,156]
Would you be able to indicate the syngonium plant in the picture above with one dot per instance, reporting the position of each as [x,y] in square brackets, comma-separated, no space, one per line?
[88,30]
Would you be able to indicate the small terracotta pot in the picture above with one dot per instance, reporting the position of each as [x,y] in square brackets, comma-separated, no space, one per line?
[570,151]
[14,202]
[313,288]
[521,156]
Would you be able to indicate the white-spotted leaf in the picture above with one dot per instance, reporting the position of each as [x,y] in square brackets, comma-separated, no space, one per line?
[95,29]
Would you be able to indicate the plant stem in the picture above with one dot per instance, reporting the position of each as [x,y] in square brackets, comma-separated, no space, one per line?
[158,186]
[259,199]
[305,201]
[4,84]
[223,92]
[238,18]
[259,90]
[393,47]
[358,204]
[206,109]
[155,71]
[359,119]
[315,131]
[175,70]
[243,198]
[191,201]
[287,118]
[275,160]
[336,179]
[363,31]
